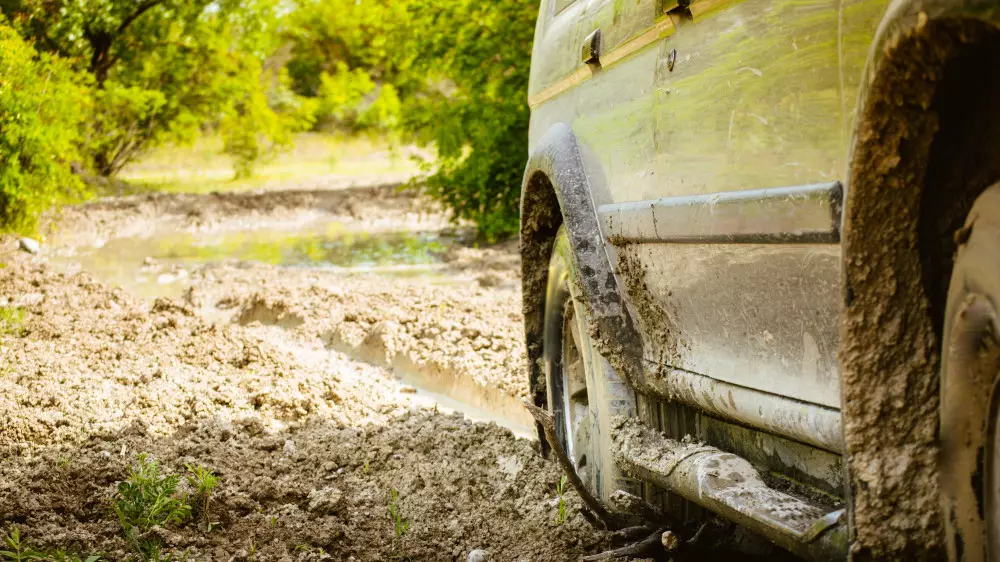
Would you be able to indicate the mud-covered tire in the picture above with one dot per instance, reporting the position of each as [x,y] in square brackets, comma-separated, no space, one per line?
[970,365]
[605,394]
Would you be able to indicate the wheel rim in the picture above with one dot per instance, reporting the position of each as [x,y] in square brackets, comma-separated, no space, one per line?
[974,355]
[575,402]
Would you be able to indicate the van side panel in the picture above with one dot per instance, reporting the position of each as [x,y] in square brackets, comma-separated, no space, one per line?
[729,96]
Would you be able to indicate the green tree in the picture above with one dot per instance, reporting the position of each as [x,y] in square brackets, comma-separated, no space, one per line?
[482,52]
[162,69]
[458,71]
[42,101]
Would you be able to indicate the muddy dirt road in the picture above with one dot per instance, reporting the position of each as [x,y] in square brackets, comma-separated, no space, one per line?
[321,352]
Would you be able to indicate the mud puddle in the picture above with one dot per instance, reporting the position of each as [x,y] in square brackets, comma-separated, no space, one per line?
[169,265]
[160,266]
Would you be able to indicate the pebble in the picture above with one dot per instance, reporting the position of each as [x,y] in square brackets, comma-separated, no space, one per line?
[29,245]
[478,556]
[407,389]
[289,447]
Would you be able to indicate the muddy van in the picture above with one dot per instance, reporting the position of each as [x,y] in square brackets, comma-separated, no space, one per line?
[761,264]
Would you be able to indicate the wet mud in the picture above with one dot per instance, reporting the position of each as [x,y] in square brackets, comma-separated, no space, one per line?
[286,382]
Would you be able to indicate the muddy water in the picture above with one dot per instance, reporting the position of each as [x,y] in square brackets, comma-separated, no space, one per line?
[129,262]
[162,266]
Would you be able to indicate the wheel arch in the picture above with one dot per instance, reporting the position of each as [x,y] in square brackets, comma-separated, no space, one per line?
[556,191]
[912,179]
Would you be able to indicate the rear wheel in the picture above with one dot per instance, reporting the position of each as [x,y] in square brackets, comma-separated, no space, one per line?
[970,373]
[584,392]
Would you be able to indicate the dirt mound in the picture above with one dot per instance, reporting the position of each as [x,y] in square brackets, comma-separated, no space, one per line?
[319,491]
[269,312]
[307,443]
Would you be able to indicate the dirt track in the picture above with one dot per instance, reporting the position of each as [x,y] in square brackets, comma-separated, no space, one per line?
[252,370]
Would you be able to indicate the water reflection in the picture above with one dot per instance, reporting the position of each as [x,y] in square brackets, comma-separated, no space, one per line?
[159,265]
[335,246]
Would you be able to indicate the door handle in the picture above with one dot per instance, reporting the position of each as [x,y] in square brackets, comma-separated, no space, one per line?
[591,51]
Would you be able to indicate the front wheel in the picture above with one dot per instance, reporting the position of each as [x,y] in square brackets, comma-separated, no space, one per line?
[584,393]
[970,377]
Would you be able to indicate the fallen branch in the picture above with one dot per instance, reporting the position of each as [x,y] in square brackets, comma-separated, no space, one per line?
[631,533]
[547,421]
[647,545]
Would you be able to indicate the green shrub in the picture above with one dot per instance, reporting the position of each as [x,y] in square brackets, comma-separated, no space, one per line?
[147,499]
[453,74]
[42,102]
[479,123]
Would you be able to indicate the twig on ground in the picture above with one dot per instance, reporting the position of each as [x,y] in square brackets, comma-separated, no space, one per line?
[645,546]
[632,533]
[547,421]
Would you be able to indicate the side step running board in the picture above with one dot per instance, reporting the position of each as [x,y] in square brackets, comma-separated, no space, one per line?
[730,486]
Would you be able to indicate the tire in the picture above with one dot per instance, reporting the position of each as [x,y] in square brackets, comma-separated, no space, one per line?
[583,391]
[970,372]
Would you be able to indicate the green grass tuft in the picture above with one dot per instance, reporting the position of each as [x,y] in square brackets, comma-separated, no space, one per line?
[561,513]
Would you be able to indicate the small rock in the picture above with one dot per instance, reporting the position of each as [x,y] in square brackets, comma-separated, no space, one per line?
[29,299]
[149,261]
[289,447]
[407,389]
[29,245]
[478,555]
[670,541]
[325,501]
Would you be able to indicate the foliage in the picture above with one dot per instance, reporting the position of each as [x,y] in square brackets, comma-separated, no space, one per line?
[16,550]
[148,499]
[561,513]
[458,72]
[480,124]
[162,69]
[400,524]
[11,320]
[253,134]
[42,101]
[203,481]
[445,73]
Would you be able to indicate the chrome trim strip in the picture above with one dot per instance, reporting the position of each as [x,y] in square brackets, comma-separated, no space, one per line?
[799,214]
[663,28]
[800,421]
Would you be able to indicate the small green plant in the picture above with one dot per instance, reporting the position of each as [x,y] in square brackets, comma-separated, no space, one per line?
[561,513]
[62,463]
[400,523]
[203,481]
[16,550]
[274,521]
[148,499]
[11,320]
[366,467]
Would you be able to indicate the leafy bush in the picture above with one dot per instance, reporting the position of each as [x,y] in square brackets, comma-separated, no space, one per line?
[42,101]
[162,69]
[148,499]
[480,122]
[452,73]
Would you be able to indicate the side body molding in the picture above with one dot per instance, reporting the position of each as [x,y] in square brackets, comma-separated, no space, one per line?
[556,190]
